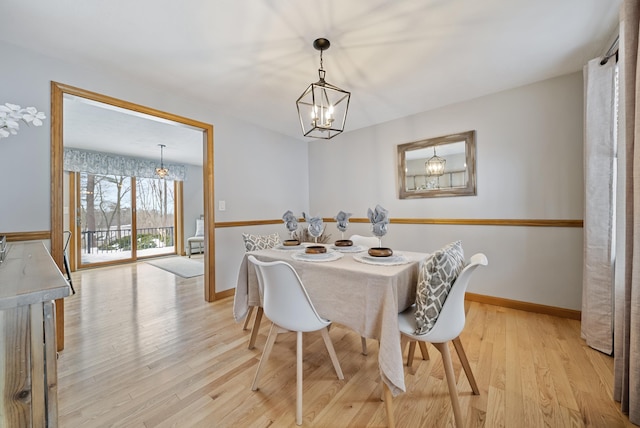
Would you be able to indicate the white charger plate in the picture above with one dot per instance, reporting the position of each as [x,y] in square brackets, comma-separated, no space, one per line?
[351,249]
[289,247]
[395,259]
[329,256]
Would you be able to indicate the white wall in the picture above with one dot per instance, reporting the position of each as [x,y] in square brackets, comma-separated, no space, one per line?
[249,161]
[529,154]
[529,166]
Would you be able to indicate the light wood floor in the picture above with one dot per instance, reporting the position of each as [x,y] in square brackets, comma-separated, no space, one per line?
[143,349]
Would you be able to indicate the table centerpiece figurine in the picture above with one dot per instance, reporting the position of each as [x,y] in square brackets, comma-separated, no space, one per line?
[291,222]
[315,228]
[379,218]
[342,220]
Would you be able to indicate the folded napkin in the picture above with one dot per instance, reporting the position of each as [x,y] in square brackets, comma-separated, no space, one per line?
[316,225]
[343,220]
[291,221]
[379,218]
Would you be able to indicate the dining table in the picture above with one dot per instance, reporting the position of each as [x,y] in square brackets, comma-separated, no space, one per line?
[349,287]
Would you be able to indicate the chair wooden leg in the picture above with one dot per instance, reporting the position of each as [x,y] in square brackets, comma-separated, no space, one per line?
[465,365]
[299,378]
[256,328]
[265,353]
[332,352]
[412,351]
[423,350]
[453,391]
[248,318]
[403,343]
[388,405]
[364,345]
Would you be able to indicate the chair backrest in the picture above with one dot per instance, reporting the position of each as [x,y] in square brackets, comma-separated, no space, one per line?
[365,241]
[450,322]
[200,226]
[285,300]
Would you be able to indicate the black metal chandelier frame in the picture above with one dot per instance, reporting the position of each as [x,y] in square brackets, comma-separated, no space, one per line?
[322,107]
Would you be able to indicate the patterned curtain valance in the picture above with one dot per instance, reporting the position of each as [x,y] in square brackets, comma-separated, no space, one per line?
[107,163]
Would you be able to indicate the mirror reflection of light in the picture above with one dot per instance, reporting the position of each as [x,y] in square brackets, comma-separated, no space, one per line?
[424,173]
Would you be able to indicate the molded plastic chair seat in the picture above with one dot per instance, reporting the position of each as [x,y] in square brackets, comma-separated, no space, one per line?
[288,306]
[447,328]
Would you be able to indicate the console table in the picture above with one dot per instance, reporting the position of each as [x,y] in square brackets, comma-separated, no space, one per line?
[30,281]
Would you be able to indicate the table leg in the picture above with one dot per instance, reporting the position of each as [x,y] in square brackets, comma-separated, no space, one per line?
[256,327]
[248,318]
[388,404]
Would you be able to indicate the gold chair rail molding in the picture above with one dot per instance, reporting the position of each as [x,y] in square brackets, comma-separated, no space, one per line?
[443,221]
[45,234]
[27,236]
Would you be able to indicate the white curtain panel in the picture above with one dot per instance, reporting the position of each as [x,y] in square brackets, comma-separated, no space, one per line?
[626,384]
[599,155]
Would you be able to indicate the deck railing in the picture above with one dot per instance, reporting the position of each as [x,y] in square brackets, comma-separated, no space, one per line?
[99,241]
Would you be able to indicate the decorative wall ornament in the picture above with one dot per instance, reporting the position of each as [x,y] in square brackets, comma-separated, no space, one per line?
[12,114]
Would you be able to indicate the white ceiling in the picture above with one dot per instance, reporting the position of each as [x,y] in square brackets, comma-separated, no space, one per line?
[91,125]
[252,59]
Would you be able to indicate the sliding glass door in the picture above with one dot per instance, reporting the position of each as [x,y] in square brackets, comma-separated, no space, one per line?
[122,218]
[155,208]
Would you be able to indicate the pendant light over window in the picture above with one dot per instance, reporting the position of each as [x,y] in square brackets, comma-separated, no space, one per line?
[161,171]
[322,107]
[435,165]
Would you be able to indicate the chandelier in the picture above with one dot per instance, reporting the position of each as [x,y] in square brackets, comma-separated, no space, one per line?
[161,171]
[322,107]
[435,165]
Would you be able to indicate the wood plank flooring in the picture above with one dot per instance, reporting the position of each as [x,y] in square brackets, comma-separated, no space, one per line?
[143,349]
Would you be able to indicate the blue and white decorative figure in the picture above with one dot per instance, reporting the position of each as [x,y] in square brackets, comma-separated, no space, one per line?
[379,218]
[316,226]
[291,222]
[342,220]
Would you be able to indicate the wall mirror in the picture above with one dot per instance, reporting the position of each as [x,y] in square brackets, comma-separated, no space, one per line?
[441,166]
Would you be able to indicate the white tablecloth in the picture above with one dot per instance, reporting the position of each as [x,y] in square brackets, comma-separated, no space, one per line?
[364,297]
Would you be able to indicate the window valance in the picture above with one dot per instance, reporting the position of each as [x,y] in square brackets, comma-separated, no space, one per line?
[111,164]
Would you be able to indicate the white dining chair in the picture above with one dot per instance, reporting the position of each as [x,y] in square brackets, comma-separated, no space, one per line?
[447,328]
[365,241]
[287,304]
[198,238]
[254,243]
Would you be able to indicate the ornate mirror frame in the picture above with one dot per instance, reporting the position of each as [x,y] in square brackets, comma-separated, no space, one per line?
[459,176]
